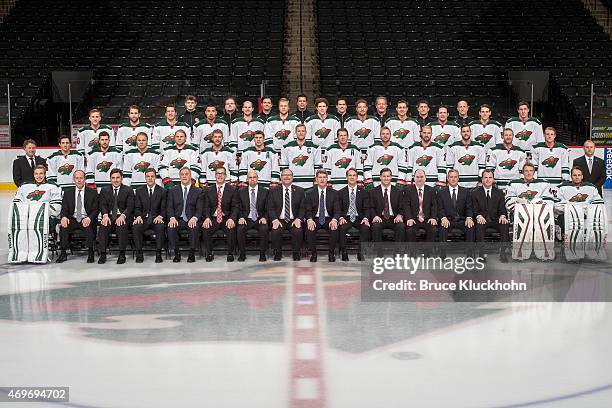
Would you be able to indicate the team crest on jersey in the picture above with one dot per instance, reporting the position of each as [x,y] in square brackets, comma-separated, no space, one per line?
[142,166]
[467,159]
[322,133]
[528,195]
[169,138]
[550,162]
[208,137]
[65,169]
[579,198]
[424,160]
[248,136]
[343,162]
[104,167]
[442,138]
[401,133]
[258,164]
[178,163]
[484,138]
[362,133]
[35,195]
[217,164]
[95,142]
[523,135]
[385,159]
[300,160]
[508,164]
[131,141]
[282,134]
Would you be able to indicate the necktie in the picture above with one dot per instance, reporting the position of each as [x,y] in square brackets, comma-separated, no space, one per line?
[454,198]
[79,207]
[115,203]
[32,164]
[352,211]
[253,212]
[150,204]
[184,213]
[386,213]
[287,206]
[421,213]
[488,197]
[590,164]
[219,212]
[322,208]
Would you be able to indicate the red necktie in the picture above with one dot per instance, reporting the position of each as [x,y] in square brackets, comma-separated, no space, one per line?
[421,213]
[219,212]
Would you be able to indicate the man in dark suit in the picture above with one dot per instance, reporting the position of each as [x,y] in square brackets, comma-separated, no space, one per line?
[489,208]
[322,212]
[592,167]
[23,166]
[354,212]
[252,215]
[184,205]
[420,208]
[79,212]
[455,209]
[387,208]
[117,209]
[286,210]
[149,213]
[220,214]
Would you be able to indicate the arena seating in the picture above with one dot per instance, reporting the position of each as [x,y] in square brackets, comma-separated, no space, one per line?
[201,47]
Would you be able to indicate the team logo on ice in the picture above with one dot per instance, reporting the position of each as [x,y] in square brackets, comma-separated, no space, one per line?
[523,135]
[248,136]
[424,160]
[217,164]
[65,169]
[35,195]
[178,163]
[282,134]
[484,138]
[467,159]
[258,164]
[385,159]
[401,133]
[343,162]
[508,164]
[142,166]
[528,195]
[300,160]
[550,162]
[362,133]
[104,167]
[579,198]
[442,138]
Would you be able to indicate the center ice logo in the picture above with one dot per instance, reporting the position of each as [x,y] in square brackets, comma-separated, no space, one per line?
[579,198]
[424,160]
[104,167]
[322,133]
[507,164]
[142,166]
[65,169]
[35,195]
[217,164]
[484,138]
[401,133]
[248,136]
[384,159]
[550,162]
[178,163]
[467,159]
[343,162]
[300,160]
[282,134]
[528,195]
[523,135]
[442,138]
[362,133]
[258,164]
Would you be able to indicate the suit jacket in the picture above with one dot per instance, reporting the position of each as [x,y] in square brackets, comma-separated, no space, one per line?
[157,203]
[244,202]
[90,203]
[125,201]
[411,202]
[362,203]
[597,176]
[196,200]
[377,202]
[496,207]
[275,202]
[463,208]
[229,201]
[332,203]
[22,169]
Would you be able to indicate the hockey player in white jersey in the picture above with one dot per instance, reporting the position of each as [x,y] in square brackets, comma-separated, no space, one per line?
[88,136]
[363,129]
[101,162]
[575,191]
[467,157]
[126,134]
[486,131]
[322,127]
[340,157]
[428,156]
[40,191]
[280,129]
[163,132]
[404,130]
[385,154]
[262,159]
[137,161]
[63,163]
[176,157]
[243,128]
[302,157]
[527,130]
[203,130]
[551,159]
[528,189]
[506,160]
[217,156]
[444,132]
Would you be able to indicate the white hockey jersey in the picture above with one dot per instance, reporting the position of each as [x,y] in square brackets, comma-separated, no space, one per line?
[488,134]
[536,191]
[338,160]
[431,160]
[280,132]
[303,161]
[99,166]
[242,132]
[507,165]
[62,167]
[211,160]
[88,139]
[585,193]
[445,135]
[363,133]
[135,164]
[264,162]
[469,161]
[40,193]
[404,133]
[126,135]
[392,156]
[173,160]
[163,135]
[551,163]
[202,132]
[526,134]
[322,132]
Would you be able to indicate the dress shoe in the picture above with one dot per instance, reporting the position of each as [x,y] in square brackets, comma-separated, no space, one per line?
[241,258]
[177,257]
[191,257]
[90,256]
[359,256]
[121,258]
[331,257]
[209,258]
[139,257]
[262,257]
[158,258]
[102,259]
[62,257]
[296,256]
[313,257]
[344,256]
[230,258]
[278,256]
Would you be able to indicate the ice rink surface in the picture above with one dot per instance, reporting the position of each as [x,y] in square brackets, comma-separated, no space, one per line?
[286,334]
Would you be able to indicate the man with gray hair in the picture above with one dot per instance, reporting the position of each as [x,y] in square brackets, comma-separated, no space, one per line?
[252,215]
